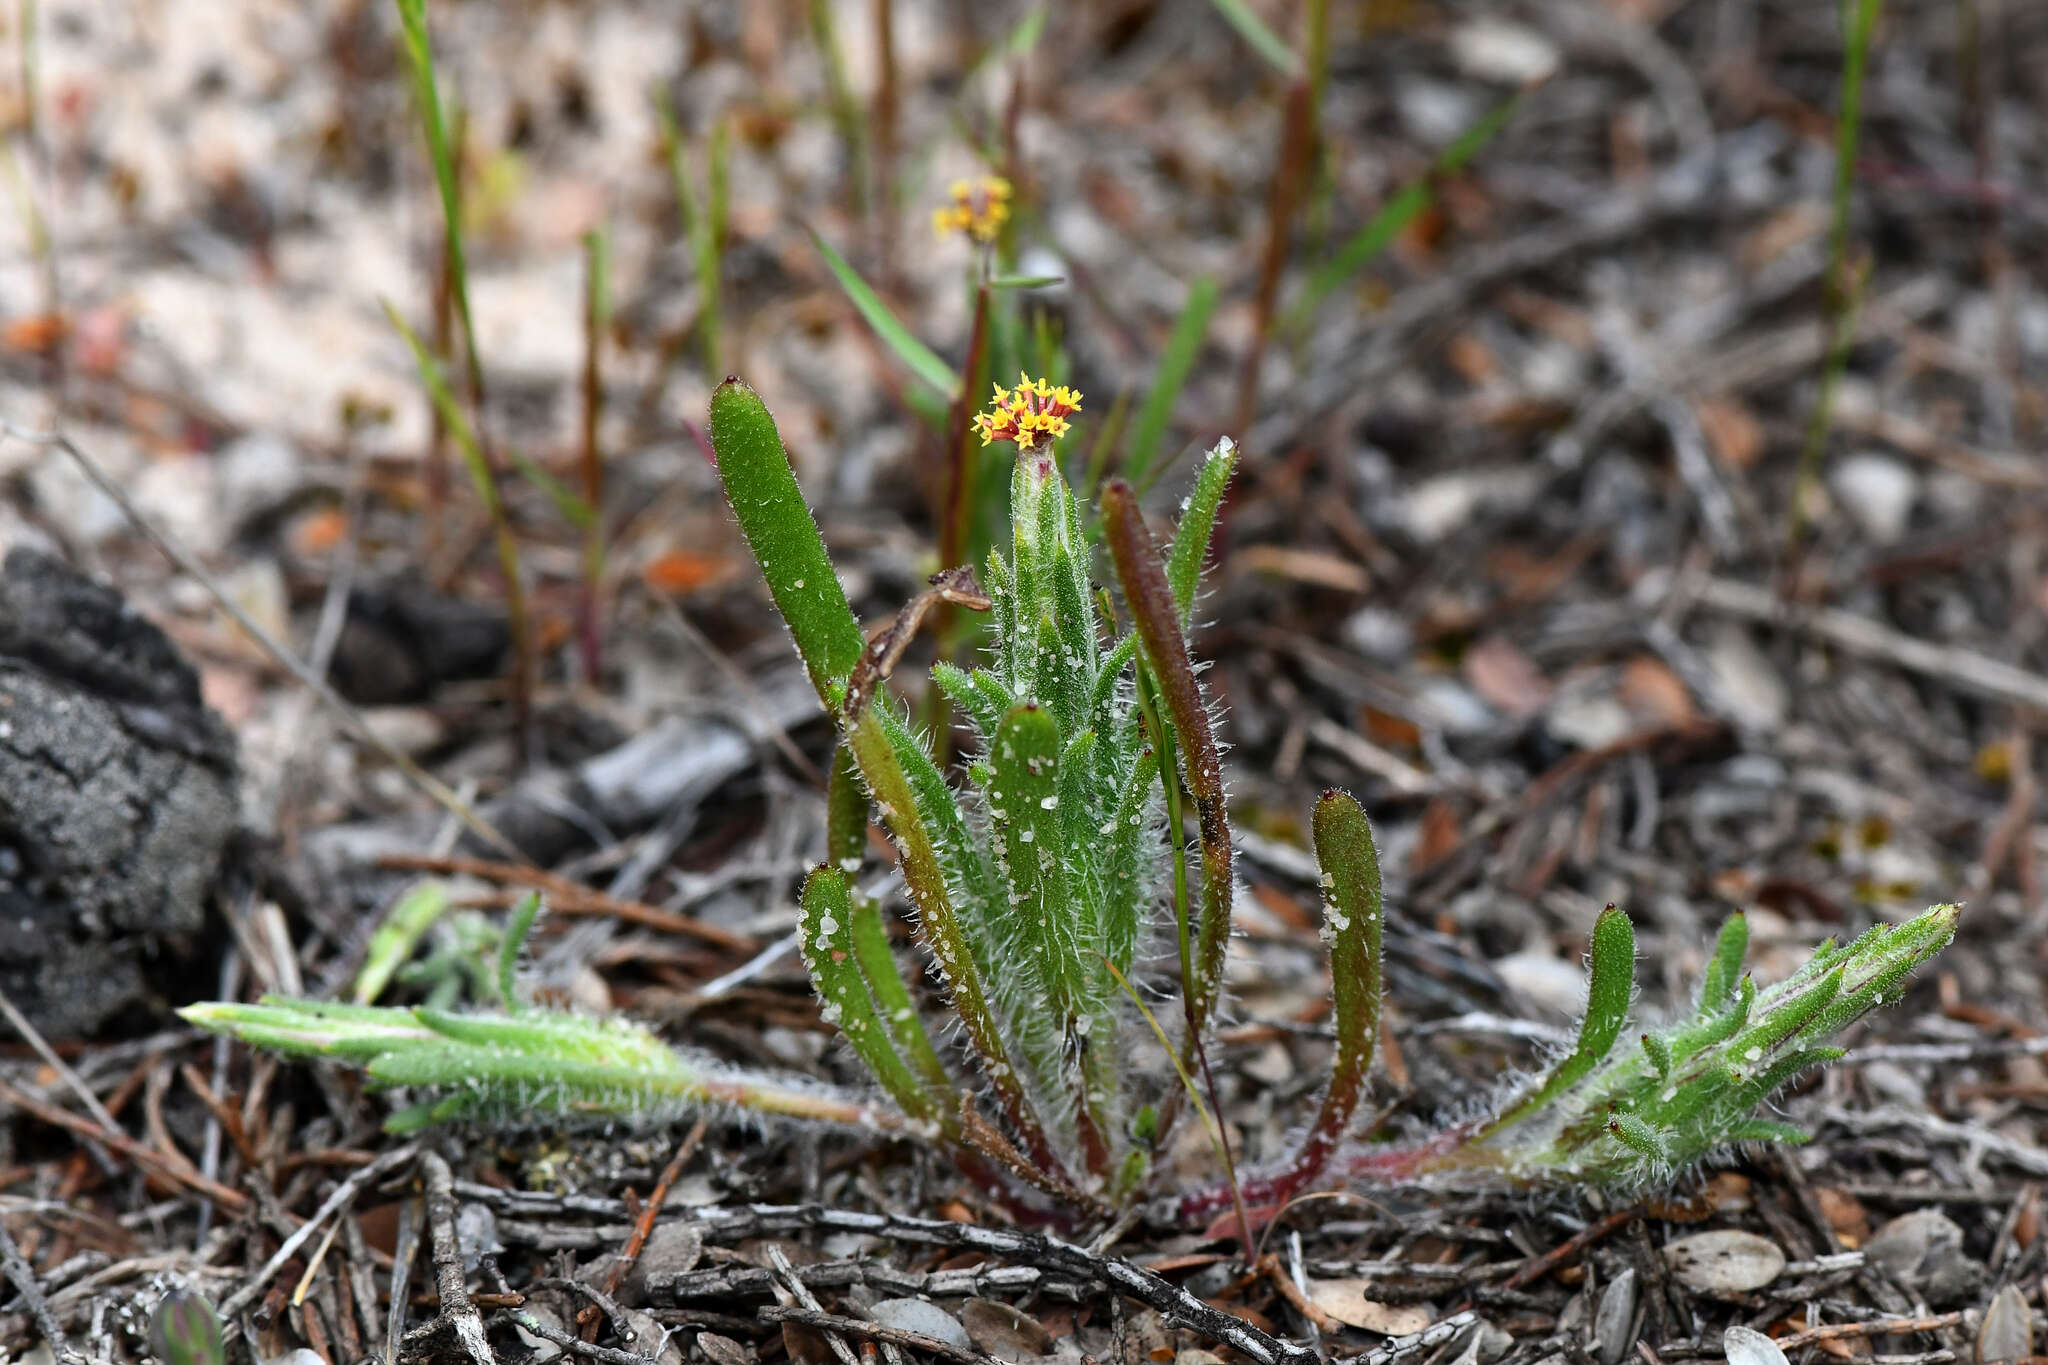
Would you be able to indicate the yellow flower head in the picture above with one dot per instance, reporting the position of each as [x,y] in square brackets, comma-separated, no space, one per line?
[1033,414]
[979,208]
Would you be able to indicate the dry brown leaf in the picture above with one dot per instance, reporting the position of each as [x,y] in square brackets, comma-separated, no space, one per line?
[318,532]
[1439,835]
[1654,693]
[1389,731]
[1506,678]
[1347,1301]
[1845,1214]
[1473,359]
[1782,231]
[1731,429]
[1314,567]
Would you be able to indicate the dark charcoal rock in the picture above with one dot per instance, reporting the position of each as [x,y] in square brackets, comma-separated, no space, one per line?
[117,800]
[402,641]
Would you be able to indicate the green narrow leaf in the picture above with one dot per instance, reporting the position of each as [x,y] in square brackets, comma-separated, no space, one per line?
[419,52]
[893,1003]
[1268,44]
[1352,915]
[1176,362]
[1717,1028]
[453,417]
[1025,281]
[1658,1053]
[825,933]
[1724,969]
[1607,999]
[1787,1017]
[778,526]
[1198,526]
[399,933]
[524,913]
[913,807]
[1122,875]
[1045,918]
[301,1028]
[846,814]
[1767,1130]
[1397,213]
[982,696]
[1876,975]
[920,358]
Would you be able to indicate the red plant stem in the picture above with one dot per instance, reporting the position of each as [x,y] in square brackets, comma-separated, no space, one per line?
[1296,144]
[593,467]
[963,476]
[1378,1166]
[437,433]
[885,147]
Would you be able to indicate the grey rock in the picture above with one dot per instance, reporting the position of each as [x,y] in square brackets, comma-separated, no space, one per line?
[118,801]
[1923,1251]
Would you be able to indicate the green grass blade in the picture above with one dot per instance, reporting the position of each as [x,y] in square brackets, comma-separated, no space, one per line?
[920,358]
[1269,45]
[1175,363]
[481,476]
[516,929]
[1396,214]
[397,935]
[419,54]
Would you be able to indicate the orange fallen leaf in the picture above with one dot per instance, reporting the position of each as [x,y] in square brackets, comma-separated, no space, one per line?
[1505,677]
[318,532]
[1731,429]
[36,334]
[1389,731]
[1440,834]
[1654,693]
[681,571]
[1845,1214]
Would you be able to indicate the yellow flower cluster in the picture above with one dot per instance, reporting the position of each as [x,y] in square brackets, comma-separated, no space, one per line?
[979,208]
[1034,412]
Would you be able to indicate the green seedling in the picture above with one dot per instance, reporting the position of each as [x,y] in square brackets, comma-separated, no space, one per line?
[476,448]
[184,1330]
[1088,848]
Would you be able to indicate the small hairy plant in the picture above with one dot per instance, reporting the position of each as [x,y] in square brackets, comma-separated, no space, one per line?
[1058,891]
